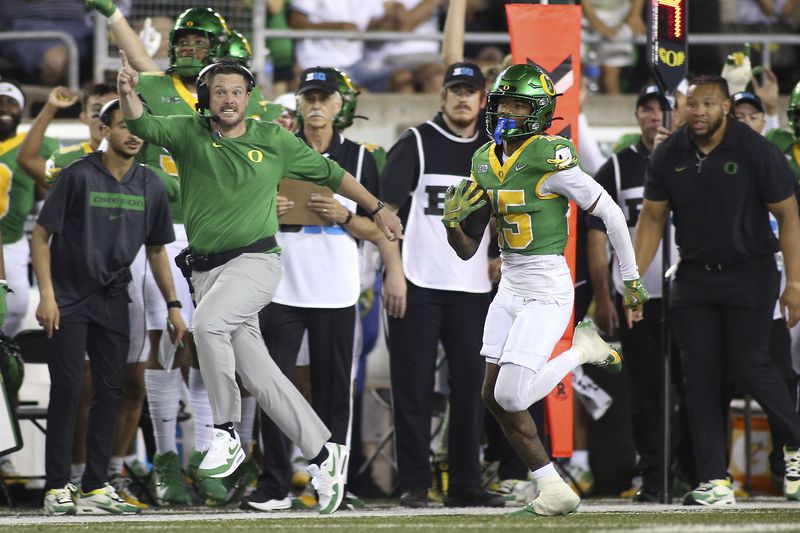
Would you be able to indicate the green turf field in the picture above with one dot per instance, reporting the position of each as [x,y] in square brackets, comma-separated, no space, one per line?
[592,518]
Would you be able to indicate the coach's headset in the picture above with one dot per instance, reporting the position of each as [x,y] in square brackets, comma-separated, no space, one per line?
[203,92]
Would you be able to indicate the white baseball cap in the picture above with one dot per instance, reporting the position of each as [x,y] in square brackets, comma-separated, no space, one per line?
[11,90]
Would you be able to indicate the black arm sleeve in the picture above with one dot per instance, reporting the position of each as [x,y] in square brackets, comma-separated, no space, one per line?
[401,171]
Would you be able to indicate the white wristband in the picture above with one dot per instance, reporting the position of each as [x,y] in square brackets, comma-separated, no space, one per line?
[3,282]
[115,16]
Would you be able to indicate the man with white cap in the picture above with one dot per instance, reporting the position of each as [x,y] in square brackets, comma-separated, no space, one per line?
[17,196]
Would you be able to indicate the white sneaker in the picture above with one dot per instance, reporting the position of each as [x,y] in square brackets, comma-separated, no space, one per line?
[58,502]
[554,500]
[329,478]
[104,500]
[594,349]
[224,456]
[270,505]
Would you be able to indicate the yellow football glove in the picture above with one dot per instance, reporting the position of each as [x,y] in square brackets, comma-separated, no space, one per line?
[635,294]
[460,201]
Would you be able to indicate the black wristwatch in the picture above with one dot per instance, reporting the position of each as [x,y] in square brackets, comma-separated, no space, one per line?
[174,303]
[380,206]
[348,219]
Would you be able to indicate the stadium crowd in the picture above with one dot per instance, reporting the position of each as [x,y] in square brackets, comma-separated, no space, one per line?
[209,252]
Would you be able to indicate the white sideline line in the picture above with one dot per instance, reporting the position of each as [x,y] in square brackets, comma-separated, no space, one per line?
[204,514]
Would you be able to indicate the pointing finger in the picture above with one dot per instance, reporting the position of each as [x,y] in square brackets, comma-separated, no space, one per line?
[124,58]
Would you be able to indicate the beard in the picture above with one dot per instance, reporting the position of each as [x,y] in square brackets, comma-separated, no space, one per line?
[7,129]
[713,127]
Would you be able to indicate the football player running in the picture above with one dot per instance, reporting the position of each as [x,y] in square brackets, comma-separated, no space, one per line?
[528,178]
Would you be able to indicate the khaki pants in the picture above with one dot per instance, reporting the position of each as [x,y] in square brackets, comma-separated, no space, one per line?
[228,340]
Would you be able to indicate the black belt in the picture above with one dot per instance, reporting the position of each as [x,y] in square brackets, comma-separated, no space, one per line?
[204,263]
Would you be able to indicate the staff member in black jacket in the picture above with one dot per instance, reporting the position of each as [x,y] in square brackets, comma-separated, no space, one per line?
[447,298]
[721,180]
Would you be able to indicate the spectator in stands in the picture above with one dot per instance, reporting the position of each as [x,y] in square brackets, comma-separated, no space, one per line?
[615,23]
[117,205]
[281,51]
[401,60]
[47,61]
[726,285]
[347,15]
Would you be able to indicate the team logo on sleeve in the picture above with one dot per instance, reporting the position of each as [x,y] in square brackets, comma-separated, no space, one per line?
[562,158]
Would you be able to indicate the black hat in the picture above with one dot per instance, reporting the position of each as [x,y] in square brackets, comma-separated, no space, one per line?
[653,91]
[318,78]
[467,73]
[746,97]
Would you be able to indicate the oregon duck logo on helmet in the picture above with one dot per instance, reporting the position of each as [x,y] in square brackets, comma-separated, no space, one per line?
[526,82]
[238,48]
[793,111]
[206,21]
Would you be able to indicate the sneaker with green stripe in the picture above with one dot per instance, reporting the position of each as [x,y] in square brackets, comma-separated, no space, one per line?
[715,492]
[594,350]
[58,502]
[224,456]
[104,500]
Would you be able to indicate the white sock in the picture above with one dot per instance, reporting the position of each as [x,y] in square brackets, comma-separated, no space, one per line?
[545,471]
[163,397]
[245,427]
[115,465]
[201,411]
[76,472]
[580,458]
[130,459]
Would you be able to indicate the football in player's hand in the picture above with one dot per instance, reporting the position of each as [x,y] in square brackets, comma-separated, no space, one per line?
[476,221]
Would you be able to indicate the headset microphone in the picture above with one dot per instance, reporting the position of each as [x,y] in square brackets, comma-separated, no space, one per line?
[218,135]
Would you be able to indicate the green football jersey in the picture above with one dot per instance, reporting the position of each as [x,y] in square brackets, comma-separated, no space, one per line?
[786,143]
[529,222]
[378,153]
[17,189]
[63,157]
[626,140]
[167,95]
[229,185]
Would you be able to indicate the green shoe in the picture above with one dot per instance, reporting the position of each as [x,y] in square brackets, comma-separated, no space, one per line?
[791,478]
[58,502]
[236,484]
[594,349]
[212,491]
[352,501]
[104,500]
[167,483]
[715,492]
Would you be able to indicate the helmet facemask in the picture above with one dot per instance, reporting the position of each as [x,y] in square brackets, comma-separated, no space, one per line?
[524,82]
